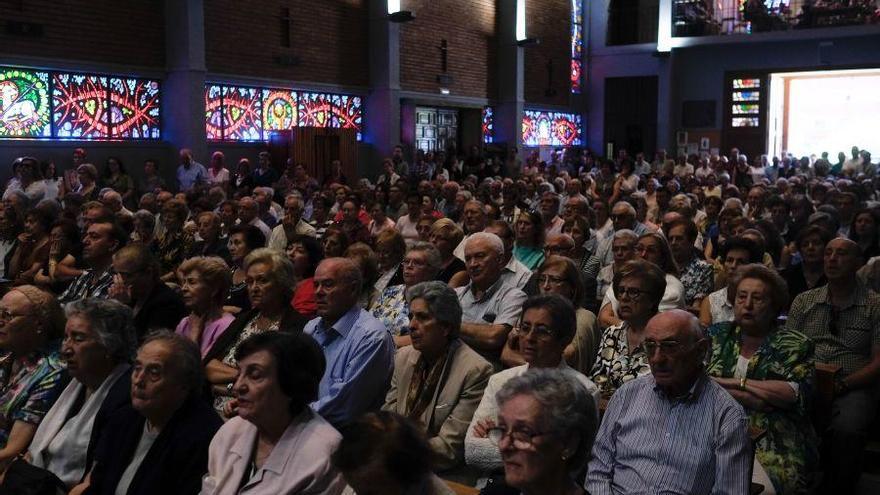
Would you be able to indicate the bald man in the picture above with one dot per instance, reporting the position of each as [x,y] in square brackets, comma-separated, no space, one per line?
[358,348]
[675,430]
[843,319]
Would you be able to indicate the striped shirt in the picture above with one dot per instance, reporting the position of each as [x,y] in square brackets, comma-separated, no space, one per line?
[648,443]
[88,284]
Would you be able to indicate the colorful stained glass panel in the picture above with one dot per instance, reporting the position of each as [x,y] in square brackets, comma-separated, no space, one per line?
[551,129]
[279,109]
[24,103]
[214,111]
[80,106]
[315,110]
[347,113]
[746,96]
[746,83]
[242,114]
[746,108]
[745,122]
[488,125]
[577,45]
[134,108]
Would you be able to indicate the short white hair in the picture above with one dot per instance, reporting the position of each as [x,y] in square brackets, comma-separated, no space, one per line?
[494,241]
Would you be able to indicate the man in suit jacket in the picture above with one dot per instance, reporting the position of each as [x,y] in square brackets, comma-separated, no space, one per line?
[160,444]
[439,380]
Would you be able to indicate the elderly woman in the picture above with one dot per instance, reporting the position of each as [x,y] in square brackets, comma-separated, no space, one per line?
[769,370]
[544,418]
[31,373]
[735,253]
[421,263]
[270,283]
[390,247]
[384,452]
[204,283]
[439,380]
[529,230]
[144,231]
[276,444]
[639,286]
[32,251]
[210,243]
[87,177]
[176,241]
[546,329]
[651,247]
[243,240]
[446,236]
[99,342]
[305,253]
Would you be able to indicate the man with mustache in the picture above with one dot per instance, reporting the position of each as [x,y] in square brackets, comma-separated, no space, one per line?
[675,430]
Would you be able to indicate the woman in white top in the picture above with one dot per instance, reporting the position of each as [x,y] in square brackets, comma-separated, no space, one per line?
[217,172]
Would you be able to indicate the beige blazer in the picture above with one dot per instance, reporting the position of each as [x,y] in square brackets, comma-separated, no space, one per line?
[458,394]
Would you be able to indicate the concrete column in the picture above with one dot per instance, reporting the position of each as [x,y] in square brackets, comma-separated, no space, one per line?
[183,90]
[382,118]
[509,106]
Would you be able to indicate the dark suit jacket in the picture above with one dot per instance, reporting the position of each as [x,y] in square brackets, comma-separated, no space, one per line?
[291,321]
[117,399]
[163,309]
[174,464]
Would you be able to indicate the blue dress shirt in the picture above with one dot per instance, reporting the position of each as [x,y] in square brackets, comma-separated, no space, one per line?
[360,361]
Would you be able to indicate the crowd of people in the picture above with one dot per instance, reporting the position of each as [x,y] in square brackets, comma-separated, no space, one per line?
[563,326]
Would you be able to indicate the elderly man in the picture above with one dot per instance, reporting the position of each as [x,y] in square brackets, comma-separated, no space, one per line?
[113,200]
[843,319]
[160,443]
[248,214]
[358,348]
[623,216]
[101,240]
[291,224]
[190,173]
[549,209]
[514,274]
[473,220]
[267,211]
[675,430]
[136,283]
[490,307]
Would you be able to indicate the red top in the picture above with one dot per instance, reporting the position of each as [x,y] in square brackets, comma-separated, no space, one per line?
[304,298]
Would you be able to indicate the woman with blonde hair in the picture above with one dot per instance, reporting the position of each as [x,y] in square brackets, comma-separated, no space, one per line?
[204,283]
[446,236]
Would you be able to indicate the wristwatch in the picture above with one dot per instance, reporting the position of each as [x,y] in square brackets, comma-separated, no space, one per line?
[742,383]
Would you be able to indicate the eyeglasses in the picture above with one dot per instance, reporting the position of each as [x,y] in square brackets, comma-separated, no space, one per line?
[666,347]
[413,262]
[556,249]
[631,293]
[551,280]
[539,331]
[522,439]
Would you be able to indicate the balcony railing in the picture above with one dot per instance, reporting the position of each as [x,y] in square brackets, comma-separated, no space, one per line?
[723,17]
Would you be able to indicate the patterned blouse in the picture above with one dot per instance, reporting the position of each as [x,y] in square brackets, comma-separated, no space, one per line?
[29,387]
[788,452]
[392,309]
[229,359]
[698,278]
[615,364]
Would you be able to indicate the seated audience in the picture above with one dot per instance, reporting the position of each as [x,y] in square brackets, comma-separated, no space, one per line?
[390,249]
[421,263]
[640,285]
[243,240]
[529,233]
[32,250]
[358,348]
[100,241]
[210,242]
[547,327]
[305,253]
[675,430]
[546,428]
[291,225]
[32,375]
[514,273]
[843,320]
[384,452]
[810,272]
[438,380]
[623,249]
[445,236]
[65,258]
[99,342]
[136,283]
[367,262]
[735,253]
[276,444]
[159,444]
[270,287]
[204,284]
[176,241]
[696,276]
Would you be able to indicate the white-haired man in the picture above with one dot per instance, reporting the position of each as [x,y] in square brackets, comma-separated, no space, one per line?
[291,224]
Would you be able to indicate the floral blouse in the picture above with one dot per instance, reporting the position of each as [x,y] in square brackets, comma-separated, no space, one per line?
[392,310]
[173,248]
[615,364]
[698,279]
[29,387]
[788,452]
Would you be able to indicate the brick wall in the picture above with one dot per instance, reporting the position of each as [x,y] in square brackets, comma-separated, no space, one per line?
[549,20]
[104,31]
[329,37]
[469,29]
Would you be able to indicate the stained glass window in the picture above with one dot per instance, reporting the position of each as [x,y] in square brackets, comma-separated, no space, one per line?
[347,113]
[80,106]
[748,109]
[134,108]
[745,98]
[279,109]
[551,129]
[24,103]
[745,122]
[577,45]
[242,114]
[214,111]
[746,83]
[488,125]
[314,110]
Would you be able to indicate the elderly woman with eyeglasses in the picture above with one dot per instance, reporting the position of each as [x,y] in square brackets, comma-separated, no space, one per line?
[546,428]
[639,286]
[99,343]
[31,373]
[769,370]
[438,380]
[545,330]
[420,264]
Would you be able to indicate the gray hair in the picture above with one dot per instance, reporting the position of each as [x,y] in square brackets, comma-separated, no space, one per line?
[625,233]
[435,262]
[494,241]
[112,323]
[267,190]
[145,217]
[295,195]
[629,208]
[281,269]
[185,358]
[442,302]
[350,271]
[566,407]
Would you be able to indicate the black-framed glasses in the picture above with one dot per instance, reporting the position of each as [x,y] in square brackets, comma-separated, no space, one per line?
[539,331]
[522,439]
[630,293]
[551,280]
